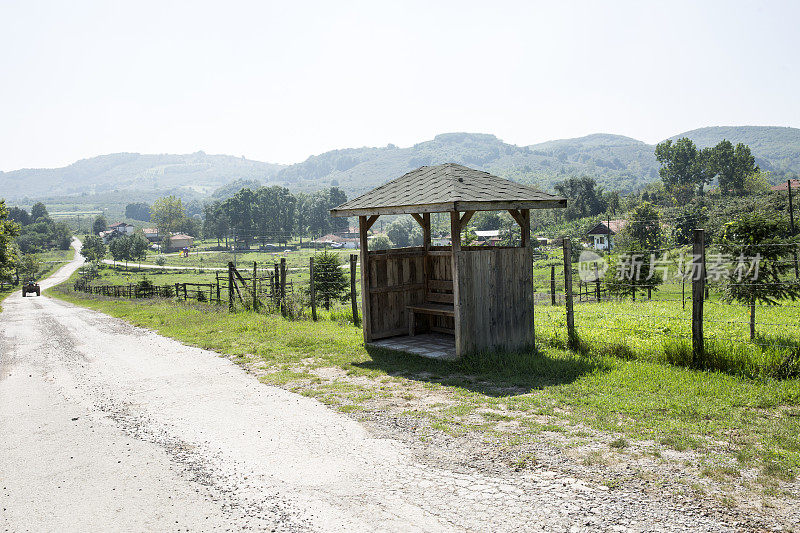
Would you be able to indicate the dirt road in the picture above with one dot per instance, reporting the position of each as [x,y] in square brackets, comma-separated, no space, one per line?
[104,426]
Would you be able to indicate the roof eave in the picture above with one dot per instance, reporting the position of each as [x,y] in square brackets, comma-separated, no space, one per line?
[445,207]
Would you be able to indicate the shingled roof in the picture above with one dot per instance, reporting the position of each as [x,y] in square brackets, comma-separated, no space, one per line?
[448,187]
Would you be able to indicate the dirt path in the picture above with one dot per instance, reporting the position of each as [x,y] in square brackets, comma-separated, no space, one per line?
[110,427]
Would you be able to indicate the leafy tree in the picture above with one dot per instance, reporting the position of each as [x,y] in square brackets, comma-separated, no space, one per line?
[688,218]
[167,213]
[93,249]
[379,242]
[756,183]
[643,232]
[100,224]
[138,211]
[8,230]
[633,268]
[706,171]
[680,169]
[404,232]
[487,220]
[190,226]
[216,222]
[120,249]
[138,247]
[28,267]
[733,165]
[19,215]
[39,211]
[62,235]
[330,281]
[756,238]
[584,197]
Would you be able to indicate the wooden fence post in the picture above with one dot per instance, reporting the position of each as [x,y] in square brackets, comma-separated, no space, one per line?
[353,299]
[553,284]
[283,286]
[571,338]
[597,281]
[311,289]
[230,286]
[276,289]
[216,274]
[698,289]
[255,287]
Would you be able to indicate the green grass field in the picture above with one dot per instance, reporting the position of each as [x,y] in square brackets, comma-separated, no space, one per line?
[728,424]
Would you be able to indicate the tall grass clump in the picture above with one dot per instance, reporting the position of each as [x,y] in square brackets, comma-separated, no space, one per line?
[781,360]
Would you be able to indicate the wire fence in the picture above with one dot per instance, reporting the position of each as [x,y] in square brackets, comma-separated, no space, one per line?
[295,292]
[732,308]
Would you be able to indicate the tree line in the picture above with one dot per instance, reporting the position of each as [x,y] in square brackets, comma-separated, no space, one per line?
[272,214]
[686,170]
[24,234]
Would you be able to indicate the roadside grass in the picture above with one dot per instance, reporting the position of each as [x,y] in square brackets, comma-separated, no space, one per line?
[4,293]
[507,398]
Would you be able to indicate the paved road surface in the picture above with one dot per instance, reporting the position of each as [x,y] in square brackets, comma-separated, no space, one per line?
[104,426]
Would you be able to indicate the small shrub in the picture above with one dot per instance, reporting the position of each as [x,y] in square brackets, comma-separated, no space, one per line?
[161,260]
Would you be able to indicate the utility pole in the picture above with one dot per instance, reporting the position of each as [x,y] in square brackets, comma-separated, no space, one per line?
[791,225]
[791,207]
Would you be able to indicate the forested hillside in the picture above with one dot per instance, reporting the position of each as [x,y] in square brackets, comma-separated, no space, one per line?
[198,172]
[614,161]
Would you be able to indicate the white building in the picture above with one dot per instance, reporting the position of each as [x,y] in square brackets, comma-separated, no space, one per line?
[122,228]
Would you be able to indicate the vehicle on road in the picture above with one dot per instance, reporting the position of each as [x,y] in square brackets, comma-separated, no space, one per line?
[30,287]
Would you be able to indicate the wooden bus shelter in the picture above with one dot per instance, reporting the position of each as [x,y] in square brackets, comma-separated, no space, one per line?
[470,298]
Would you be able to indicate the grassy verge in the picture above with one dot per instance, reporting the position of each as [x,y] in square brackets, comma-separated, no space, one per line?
[4,294]
[741,434]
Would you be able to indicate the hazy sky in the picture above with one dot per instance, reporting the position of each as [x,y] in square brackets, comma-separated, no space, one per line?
[279,81]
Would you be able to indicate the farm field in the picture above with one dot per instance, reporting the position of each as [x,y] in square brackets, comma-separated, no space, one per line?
[735,440]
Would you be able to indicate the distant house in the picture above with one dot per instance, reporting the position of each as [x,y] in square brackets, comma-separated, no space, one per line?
[151,234]
[350,233]
[336,241]
[785,186]
[600,236]
[178,241]
[122,228]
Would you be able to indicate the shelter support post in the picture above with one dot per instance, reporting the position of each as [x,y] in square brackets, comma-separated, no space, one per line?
[364,223]
[455,239]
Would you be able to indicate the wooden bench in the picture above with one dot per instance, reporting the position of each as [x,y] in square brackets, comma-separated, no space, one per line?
[438,302]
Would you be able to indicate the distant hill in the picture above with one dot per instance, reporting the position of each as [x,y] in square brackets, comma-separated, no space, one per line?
[616,162]
[189,174]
